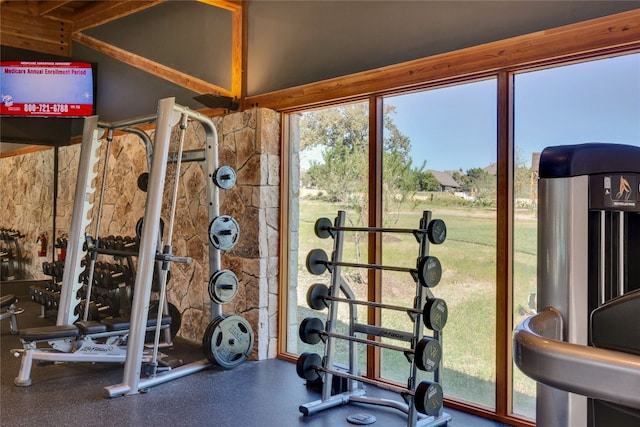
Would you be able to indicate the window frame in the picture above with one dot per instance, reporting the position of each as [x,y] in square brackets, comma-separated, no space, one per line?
[595,39]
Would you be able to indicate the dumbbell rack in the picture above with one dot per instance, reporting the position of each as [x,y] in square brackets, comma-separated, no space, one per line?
[356,392]
[10,258]
[112,285]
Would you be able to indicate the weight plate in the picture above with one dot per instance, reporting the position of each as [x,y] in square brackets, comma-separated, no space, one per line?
[307,364]
[323,228]
[223,286]
[437,231]
[140,224]
[225,177]
[228,341]
[435,314]
[316,296]
[428,398]
[143,181]
[317,261]
[309,330]
[224,232]
[361,419]
[176,319]
[429,271]
[428,354]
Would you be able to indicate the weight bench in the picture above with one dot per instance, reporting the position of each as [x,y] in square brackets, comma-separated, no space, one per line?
[77,343]
[9,302]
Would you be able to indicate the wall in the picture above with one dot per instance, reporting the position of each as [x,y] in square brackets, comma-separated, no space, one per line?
[248,142]
[26,205]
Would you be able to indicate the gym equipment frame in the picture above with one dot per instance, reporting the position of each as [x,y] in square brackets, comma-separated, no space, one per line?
[583,346]
[66,336]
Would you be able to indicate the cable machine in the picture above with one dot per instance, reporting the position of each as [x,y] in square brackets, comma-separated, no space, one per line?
[583,346]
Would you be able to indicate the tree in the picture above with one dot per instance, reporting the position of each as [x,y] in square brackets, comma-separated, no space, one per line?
[342,172]
[428,182]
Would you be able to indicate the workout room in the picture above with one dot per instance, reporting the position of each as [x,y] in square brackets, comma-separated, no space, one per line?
[320,213]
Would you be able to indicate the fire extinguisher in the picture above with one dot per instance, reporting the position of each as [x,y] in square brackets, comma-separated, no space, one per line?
[42,238]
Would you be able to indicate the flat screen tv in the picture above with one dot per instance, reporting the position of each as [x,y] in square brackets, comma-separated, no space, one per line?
[47,89]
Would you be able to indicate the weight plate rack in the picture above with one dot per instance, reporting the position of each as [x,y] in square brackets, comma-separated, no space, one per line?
[422,402]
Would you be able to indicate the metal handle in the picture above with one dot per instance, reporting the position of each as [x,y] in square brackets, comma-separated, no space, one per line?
[594,372]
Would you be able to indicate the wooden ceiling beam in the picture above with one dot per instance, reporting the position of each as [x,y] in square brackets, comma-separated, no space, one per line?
[101,12]
[23,28]
[52,9]
[162,71]
[225,4]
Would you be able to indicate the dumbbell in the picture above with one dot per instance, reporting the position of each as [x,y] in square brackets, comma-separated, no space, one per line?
[112,278]
[94,310]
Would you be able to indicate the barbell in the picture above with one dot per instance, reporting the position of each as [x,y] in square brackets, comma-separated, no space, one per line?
[434,313]
[427,397]
[428,270]
[428,351]
[436,231]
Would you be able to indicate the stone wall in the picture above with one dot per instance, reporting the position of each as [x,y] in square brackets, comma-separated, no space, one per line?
[26,205]
[249,142]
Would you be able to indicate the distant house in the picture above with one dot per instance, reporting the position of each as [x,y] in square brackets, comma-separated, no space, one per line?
[446,180]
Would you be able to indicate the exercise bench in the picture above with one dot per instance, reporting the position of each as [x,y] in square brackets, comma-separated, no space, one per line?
[84,341]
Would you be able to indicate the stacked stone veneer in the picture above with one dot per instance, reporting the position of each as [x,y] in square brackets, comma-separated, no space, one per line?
[249,142]
[26,205]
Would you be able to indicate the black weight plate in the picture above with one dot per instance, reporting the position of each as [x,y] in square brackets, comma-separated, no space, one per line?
[428,398]
[429,271]
[428,354]
[323,228]
[309,330]
[140,224]
[306,366]
[316,296]
[223,286]
[174,313]
[143,181]
[317,261]
[228,341]
[435,314]
[437,231]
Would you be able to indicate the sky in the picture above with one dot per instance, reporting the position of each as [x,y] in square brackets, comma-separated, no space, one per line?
[455,128]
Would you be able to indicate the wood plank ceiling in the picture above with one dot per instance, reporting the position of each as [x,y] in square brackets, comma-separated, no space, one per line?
[51,26]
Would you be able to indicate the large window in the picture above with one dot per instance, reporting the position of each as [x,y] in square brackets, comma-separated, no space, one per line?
[465,149]
[449,168]
[329,165]
[595,101]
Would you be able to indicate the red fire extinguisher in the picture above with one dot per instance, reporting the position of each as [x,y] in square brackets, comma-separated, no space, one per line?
[42,238]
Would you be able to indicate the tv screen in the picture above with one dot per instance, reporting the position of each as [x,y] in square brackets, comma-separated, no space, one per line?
[47,89]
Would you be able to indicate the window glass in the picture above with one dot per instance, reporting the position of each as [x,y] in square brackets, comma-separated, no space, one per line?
[595,101]
[329,173]
[445,162]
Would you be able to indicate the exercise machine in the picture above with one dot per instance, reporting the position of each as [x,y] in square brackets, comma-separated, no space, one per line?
[73,337]
[583,345]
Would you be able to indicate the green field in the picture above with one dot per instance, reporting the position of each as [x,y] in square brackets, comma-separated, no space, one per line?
[468,285]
